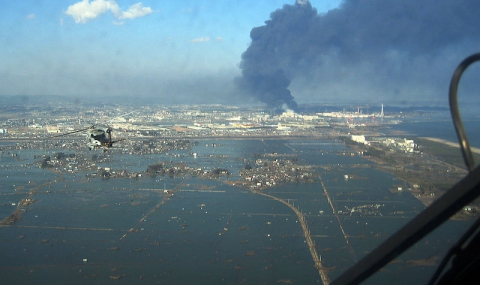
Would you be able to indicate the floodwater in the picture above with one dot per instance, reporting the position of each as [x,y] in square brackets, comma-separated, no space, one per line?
[132,231]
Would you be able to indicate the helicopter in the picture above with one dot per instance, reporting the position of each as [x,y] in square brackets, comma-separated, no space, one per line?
[96,138]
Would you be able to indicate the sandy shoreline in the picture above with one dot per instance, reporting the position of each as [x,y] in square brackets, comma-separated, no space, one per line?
[452,144]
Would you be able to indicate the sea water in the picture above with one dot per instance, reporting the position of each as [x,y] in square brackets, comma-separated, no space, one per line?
[132,231]
[441,127]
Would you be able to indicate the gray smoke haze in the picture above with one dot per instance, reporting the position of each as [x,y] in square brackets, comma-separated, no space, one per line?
[396,49]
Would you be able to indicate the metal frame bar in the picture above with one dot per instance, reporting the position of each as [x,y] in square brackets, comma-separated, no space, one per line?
[441,210]
[437,213]
[457,121]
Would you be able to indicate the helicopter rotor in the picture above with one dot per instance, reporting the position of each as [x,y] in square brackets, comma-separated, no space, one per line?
[97,137]
[73,132]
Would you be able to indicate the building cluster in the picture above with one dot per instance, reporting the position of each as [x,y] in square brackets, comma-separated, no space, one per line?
[173,121]
[187,121]
[363,210]
[270,172]
[397,144]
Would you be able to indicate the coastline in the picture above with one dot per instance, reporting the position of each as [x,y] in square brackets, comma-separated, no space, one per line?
[452,144]
[427,175]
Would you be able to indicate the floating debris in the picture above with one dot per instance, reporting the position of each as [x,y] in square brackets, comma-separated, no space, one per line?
[117,277]
[285,281]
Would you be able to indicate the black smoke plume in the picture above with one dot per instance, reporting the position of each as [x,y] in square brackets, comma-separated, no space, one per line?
[393,48]
[270,88]
[264,64]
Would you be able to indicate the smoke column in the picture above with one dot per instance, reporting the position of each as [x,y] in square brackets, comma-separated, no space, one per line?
[362,47]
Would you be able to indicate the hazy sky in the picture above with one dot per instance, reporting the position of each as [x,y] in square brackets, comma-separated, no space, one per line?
[191,51]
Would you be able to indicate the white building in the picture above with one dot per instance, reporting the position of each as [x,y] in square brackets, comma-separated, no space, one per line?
[359,139]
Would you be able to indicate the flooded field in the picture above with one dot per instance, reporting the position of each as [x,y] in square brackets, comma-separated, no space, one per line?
[179,229]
